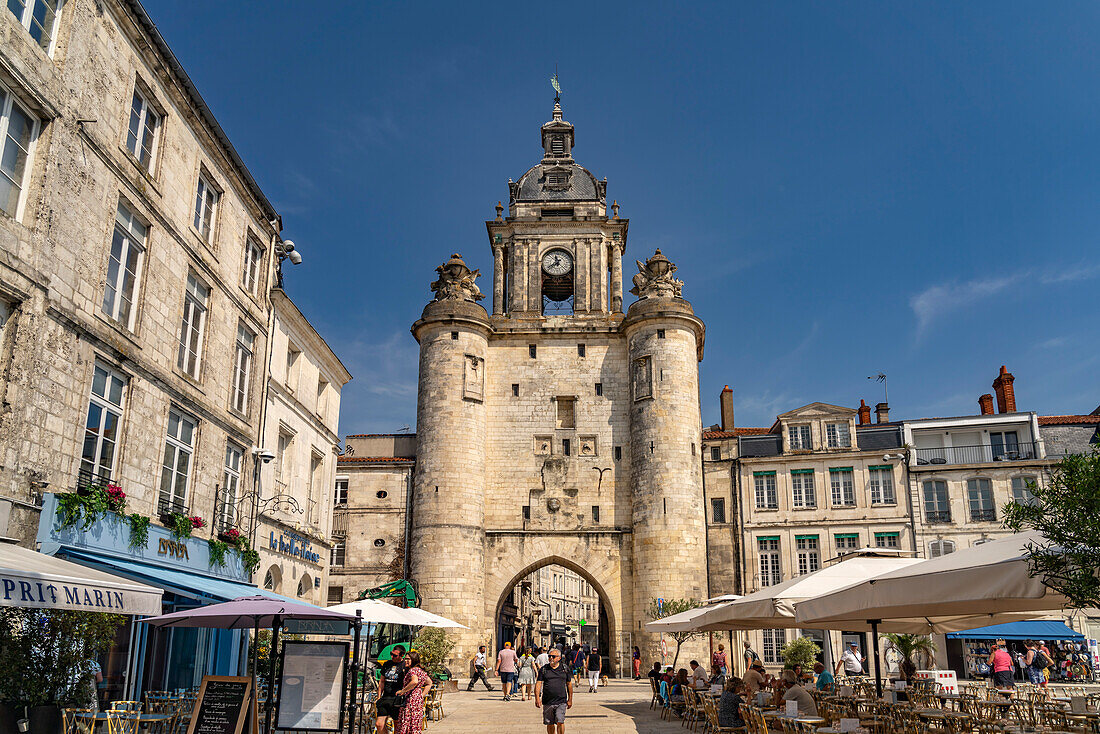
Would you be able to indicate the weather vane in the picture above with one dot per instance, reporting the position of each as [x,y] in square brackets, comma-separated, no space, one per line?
[554,83]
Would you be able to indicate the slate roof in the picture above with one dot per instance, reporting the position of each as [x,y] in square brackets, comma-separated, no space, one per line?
[582,184]
[886,437]
[766,445]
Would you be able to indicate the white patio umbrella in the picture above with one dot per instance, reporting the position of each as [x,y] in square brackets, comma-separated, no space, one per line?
[686,621]
[379,612]
[979,586]
[427,619]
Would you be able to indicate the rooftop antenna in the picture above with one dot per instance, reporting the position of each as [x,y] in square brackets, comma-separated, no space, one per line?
[881,377]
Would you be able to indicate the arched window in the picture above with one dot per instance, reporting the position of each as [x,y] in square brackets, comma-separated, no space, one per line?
[273,579]
[305,586]
[937,548]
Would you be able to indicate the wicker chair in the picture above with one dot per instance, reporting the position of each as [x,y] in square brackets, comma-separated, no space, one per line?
[122,722]
[78,721]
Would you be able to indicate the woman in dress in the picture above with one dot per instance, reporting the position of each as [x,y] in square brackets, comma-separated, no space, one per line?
[417,685]
[527,674]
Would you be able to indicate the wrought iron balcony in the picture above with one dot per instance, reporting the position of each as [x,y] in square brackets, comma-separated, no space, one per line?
[978,454]
[937,517]
[168,505]
[226,513]
[983,515]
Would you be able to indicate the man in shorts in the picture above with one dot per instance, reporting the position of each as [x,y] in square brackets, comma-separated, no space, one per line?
[507,669]
[393,678]
[554,693]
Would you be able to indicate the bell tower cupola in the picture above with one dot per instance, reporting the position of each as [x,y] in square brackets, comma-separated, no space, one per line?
[557,138]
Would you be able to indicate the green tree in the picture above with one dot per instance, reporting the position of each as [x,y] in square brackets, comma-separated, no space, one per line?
[1066,512]
[434,645]
[909,648]
[44,654]
[800,651]
[669,607]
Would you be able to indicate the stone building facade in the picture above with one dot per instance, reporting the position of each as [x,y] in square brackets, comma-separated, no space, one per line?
[294,498]
[134,248]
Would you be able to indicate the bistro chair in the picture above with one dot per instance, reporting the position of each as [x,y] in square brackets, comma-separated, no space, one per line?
[656,693]
[666,701]
[78,721]
[122,722]
[710,712]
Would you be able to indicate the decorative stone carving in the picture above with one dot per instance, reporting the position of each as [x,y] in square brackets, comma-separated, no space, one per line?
[642,377]
[456,281]
[474,377]
[654,278]
[553,504]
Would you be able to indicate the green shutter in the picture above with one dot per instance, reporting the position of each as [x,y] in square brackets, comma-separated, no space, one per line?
[886,467]
[840,468]
[802,471]
[886,535]
[763,474]
[767,537]
[805,537]
[846,535]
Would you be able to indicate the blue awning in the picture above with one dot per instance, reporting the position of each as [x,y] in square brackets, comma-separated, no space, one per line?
[1032,629]
[206,589]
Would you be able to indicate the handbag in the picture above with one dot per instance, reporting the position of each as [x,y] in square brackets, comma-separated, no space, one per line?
[982,669]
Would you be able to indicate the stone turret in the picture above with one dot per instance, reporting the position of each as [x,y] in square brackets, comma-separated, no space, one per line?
[448,498]
[665,344]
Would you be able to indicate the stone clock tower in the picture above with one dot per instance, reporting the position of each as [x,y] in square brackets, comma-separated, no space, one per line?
[558,429]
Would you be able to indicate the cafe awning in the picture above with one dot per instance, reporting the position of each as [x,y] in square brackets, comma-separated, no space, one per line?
[36,580]
[1032,629]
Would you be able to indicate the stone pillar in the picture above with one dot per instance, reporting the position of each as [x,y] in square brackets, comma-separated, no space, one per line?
[448,496]
[517,293]
[664,341]
[498,280]
[616,278]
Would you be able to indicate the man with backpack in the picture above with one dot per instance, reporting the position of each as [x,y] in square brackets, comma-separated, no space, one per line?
[1037,662]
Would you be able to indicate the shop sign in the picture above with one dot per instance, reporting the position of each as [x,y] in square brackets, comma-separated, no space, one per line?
[295,546]
[172,549]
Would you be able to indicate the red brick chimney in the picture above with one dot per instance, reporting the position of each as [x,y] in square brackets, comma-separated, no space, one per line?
[726,401]
[1006,397]
[864,413]
[882,413]
[985,402]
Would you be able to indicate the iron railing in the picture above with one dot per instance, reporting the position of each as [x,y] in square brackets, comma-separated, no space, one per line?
[983,515]
[937,517]
[984,454]
[340,523]
[167,505]
[226,514]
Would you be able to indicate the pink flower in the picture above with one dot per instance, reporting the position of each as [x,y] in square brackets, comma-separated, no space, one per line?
[197,522]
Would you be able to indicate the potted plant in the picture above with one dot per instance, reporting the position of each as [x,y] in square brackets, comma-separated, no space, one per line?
[232,536]
[45,661]
[800,654]
[909,648]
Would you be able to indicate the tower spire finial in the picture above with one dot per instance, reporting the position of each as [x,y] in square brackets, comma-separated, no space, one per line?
[557,93]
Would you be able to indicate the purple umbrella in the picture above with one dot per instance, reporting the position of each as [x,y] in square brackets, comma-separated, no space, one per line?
[244,613]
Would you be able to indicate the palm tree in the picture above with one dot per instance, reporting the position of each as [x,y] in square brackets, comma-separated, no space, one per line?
[909,647]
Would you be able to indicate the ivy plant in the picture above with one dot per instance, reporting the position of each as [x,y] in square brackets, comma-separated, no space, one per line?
[139,530]
[218,549]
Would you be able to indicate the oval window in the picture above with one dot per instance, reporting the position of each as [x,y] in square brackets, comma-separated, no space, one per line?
[382,494]
[378,543]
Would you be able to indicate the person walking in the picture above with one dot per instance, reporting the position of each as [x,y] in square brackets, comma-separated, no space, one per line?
[506,669]
[554,693]
[593,665]
[417,685]
[750,655]
[478,663]
[393,675]
[1001,664]
[527,674]
[636,662]
[576,661]
[543,658]
[718,660]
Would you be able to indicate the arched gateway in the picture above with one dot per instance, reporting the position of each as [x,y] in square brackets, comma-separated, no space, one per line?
[557,428]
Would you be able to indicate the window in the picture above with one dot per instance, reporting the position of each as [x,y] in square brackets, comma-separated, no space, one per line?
[253,257]
[193,327]
[979,492]
[887,540]
[566,447]
[532,350]
[599,389]
[39,17]
[97,459]
[124,268]
[557,147]
[774,642]
[1005,445]
[335,593]
[802,488]
[322,396]
[293,360]
[768,549]
[580,350]
[206,203]
[281,458]
[304,586]
[381,494]
[843,490]
[566,414]
[18,131]
[806,550]
[881,483]
[515,389]
[313,514]
[340,495]
[799,437]
[838,435]
[618,453]
[718,509]
[660,333]
[715,453]
[595,513]
[175,474]
[767,497]
[379,543]
[937,506]
[231,484]
[937,548]
[141,137]
[1021,490]
[242,368]
[339,549]
[527,512]
[846,541]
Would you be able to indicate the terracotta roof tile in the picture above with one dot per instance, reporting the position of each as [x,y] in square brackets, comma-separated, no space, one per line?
[377,435]
[1068,420]
[736,432]
[372,459]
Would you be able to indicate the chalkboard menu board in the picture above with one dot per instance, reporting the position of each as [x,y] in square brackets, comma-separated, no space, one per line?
[221,706]
[311,688]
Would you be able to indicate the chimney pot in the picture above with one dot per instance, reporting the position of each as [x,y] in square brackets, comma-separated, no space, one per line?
[864,413]
[985,402]
[1006,396]
[882,413]
[726,402]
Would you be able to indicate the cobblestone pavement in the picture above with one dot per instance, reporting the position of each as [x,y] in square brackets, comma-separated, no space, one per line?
[620,708]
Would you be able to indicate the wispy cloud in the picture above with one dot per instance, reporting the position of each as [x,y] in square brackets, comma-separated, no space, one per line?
[1071,274]
[382,395]
[939,300]
[760,409]
[1052,343]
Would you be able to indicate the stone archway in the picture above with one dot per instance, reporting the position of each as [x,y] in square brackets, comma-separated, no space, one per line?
[601,559]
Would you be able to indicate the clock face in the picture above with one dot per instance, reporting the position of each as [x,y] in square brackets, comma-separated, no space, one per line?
[557,262]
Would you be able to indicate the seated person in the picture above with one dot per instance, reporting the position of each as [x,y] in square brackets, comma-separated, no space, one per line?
[655,674]
[755,680]
[699,680]
[825,681]
[716,677]
[795,692]
[729,705]
[679,683]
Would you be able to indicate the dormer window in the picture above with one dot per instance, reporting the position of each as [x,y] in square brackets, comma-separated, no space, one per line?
[800,437]
[557,145]
[839,436]
[557,178]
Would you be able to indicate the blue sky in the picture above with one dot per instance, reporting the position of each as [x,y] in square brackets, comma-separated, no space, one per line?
[847,188]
